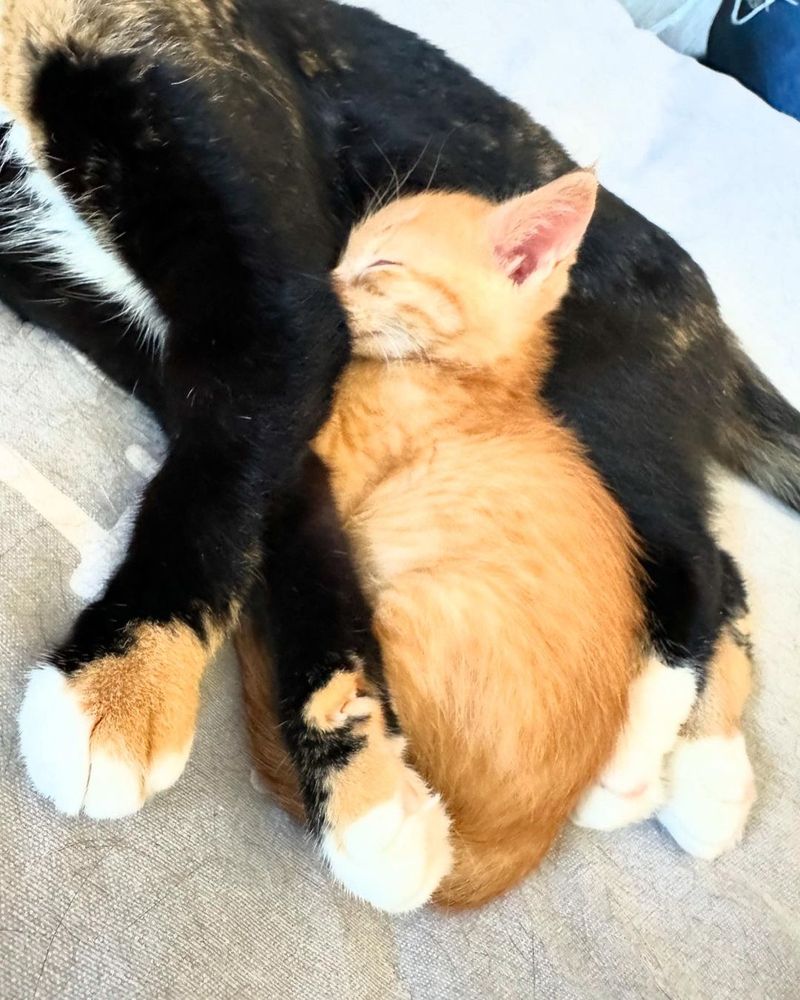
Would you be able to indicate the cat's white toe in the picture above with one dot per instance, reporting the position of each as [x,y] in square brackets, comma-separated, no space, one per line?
[54,734]
[395,855]
[710,793]
[67,762]
[610,804]
[115,788]
[165,770]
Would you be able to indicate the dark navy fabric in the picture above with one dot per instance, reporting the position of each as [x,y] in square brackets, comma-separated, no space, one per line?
[761,51]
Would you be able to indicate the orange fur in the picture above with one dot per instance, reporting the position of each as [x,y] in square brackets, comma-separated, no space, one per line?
[374,772]
[501,570]
[719,709]
[268,752]
[145,700]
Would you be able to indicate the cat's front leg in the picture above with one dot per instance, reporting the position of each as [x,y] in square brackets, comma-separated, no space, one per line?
[158,189]
[109,717]
[383,832]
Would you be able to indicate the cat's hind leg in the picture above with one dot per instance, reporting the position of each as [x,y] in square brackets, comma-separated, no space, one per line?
[711,788]
[631,787]
[689,598]
[682,755]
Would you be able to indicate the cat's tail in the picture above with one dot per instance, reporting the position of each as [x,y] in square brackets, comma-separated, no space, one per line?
[273,770]
[761,437]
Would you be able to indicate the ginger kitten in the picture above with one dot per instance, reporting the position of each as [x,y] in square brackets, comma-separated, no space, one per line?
[501,571]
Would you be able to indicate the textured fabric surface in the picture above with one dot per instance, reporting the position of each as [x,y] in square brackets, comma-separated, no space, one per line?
[210,892]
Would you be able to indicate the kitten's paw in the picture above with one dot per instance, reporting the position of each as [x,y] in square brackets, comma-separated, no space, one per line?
[386,835]
[711,792]
[102,739]
[618,800]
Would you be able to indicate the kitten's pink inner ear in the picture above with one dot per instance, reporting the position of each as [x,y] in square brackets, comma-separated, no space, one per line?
[534,233]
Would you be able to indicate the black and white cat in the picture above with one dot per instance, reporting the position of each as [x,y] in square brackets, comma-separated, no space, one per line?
[187,172]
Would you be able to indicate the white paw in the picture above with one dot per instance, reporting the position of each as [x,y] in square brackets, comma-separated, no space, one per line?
[164,770]
[631,787]
[395,855]
[711,792]
[71,760]
[54,735]
[114,786]
[613,803]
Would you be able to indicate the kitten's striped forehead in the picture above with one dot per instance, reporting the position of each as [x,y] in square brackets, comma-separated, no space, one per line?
[424,229]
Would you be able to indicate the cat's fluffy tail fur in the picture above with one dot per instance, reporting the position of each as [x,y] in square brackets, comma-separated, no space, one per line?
[272,767]
[761,438]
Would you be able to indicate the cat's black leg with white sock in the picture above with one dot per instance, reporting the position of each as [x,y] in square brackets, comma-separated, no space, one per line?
[382,831]
[249,342]
[677,758]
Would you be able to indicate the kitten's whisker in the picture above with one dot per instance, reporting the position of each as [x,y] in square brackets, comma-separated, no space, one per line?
[391,167]
[438,159]
[364,180]
[416,163]
[312,277]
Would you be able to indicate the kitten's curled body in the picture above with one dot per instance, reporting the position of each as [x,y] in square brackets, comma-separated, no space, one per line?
[500,569]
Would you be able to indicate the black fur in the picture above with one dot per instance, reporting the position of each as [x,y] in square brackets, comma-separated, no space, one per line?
[232,210]
[255,341]
[310,581]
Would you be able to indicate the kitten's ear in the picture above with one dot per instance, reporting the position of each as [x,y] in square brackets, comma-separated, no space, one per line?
[534,233]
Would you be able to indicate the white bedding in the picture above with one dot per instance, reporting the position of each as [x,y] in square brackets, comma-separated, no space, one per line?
[209,892]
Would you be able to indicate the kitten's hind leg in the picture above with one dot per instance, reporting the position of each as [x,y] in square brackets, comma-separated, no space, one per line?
[711,788]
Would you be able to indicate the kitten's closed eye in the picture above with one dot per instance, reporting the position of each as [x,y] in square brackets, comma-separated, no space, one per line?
[382,263]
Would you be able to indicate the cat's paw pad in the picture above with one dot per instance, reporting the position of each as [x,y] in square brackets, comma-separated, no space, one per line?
[395,855]
[103,739]
[618,800]
[711,792]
